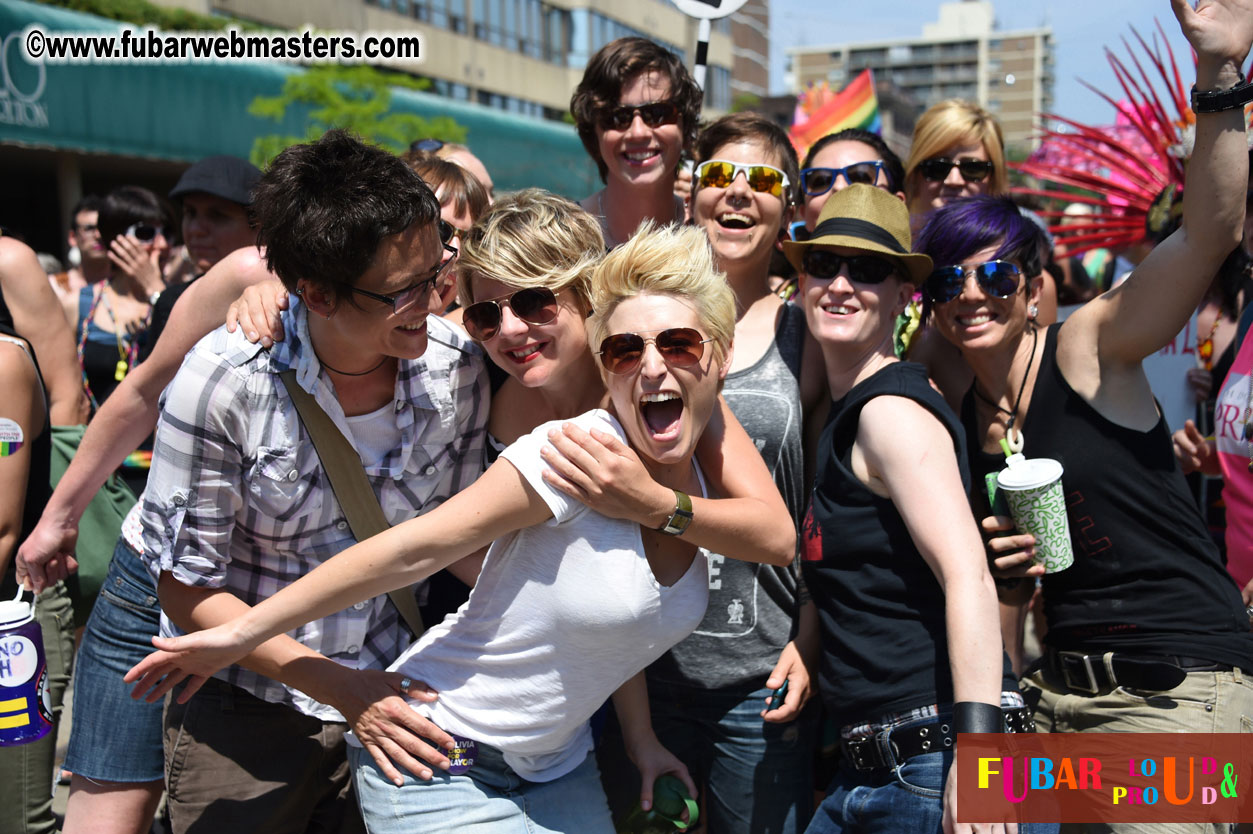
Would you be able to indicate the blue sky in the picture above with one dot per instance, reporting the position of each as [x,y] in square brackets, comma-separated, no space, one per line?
[1081,28]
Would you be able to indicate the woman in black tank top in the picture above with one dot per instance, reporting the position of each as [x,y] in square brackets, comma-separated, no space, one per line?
[1147,596]
[892,555]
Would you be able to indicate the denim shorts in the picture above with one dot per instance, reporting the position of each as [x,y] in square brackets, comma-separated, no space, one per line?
[115,738]
[490,798]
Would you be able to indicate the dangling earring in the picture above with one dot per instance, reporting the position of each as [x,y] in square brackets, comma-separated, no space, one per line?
[1032,312]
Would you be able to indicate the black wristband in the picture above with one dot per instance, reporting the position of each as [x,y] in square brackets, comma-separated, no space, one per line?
[1216,101]
[977,717]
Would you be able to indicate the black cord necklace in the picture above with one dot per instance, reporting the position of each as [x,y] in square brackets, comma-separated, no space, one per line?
[350,373]
[1013,443]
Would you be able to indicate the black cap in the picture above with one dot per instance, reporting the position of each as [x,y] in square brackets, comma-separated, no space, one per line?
[228,177]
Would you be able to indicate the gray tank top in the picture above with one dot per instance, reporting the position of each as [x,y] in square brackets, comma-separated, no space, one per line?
[751,606]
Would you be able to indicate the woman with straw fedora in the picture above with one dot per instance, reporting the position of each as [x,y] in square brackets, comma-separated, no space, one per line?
[892,556]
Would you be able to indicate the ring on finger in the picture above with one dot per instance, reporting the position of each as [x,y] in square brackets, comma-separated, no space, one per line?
[405,683]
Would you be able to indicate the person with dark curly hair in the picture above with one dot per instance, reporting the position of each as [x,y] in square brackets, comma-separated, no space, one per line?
[637,110]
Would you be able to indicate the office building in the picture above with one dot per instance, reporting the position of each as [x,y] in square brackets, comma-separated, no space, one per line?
[962,55]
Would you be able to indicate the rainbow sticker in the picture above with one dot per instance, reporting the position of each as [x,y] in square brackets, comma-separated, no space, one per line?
[11,438]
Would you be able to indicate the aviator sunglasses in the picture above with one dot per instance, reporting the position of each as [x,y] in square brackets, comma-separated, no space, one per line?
[719,173]
[818,181]
[862,269]
[998,279]
[409,296]
[534,305]
[654,114]
[680,347]
[937,169]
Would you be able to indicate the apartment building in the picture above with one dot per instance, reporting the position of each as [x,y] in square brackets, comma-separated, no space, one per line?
[962,55]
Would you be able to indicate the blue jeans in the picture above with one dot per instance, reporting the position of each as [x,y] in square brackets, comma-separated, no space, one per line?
[115,738]
[756,775]
[488,799]
[909,797]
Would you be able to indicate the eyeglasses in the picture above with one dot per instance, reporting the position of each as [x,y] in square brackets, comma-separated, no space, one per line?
[426,145]
[816,181]
[937,169]
[862,269]
[998,279]
[402,301]
[144,232]
[719,173]
[680,347]
[654,114]
[534,305]
[89,229]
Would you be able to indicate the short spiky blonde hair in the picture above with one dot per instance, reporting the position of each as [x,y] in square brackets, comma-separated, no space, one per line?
[957,122]
[675,261]
[532,238]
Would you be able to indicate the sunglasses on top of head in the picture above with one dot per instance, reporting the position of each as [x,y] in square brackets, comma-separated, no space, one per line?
[937,168]
[144,232]
[534,305]
[654,114]
[719,173]
[862,269]
[818,181]
[999,279]
[680,347]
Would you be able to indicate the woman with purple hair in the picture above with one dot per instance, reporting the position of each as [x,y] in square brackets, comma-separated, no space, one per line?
[1146,629]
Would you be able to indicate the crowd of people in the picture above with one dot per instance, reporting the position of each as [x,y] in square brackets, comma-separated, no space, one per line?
[440,509]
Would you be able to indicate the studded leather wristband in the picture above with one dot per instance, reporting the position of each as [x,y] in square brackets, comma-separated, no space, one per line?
[678,521]
[977,717]
[1216,101]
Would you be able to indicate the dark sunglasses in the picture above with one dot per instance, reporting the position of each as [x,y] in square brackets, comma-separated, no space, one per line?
[998,279]
[816,181]
[719,173]
[426,145]
[937,169]
[680,347]
[145,232]
[654,114]
[534,305]
[862,269]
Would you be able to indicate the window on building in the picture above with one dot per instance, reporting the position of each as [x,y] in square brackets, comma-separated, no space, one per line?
[718,88]
[439,13]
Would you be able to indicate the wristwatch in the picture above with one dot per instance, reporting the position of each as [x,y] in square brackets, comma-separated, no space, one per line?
[1216,101]
[152,299]
[678,521]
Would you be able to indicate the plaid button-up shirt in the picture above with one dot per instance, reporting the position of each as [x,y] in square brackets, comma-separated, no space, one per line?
[237,498]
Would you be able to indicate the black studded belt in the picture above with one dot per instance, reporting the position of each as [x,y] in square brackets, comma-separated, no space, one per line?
[890,748]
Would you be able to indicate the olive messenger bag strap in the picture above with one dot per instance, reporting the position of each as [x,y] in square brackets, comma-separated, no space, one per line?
[352,489]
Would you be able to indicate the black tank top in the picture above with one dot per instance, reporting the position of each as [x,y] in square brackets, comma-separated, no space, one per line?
[880,607]
[1147,578]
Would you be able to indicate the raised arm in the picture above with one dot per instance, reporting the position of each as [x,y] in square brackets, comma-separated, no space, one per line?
[37,317]
[129,415]
[1145,312]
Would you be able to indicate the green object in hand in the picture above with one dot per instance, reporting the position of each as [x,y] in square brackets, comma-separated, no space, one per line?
[670,800]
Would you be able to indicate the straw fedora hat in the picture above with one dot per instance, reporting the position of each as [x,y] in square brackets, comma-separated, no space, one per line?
[869,219]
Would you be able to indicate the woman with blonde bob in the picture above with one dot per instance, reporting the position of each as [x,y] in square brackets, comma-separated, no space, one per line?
[571,605]
[958,151]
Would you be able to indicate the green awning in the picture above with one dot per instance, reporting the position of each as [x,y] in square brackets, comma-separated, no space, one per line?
[183,112]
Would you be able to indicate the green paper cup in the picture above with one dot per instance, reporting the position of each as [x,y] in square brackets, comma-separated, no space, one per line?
[1037,503]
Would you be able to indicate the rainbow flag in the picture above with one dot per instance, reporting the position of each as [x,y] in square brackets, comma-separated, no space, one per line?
[820,111]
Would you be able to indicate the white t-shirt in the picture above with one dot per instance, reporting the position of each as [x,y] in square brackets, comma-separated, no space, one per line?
[562,614]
